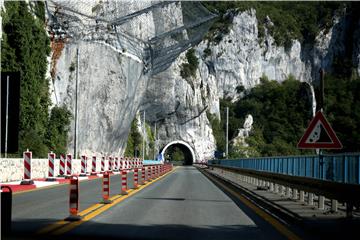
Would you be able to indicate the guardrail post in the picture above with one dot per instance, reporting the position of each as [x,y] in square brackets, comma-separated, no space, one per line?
[276,188]
[310,199]
[271,187]
[282,190]
[302,196]
[321,202]
[349,210]
[288,192]
[295,194]
[334,205]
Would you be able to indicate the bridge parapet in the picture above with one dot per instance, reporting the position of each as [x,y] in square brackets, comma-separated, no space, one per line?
[314,178]
[344,168]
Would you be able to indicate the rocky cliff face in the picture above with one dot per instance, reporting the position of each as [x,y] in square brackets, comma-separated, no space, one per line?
[240,59]
[112,86]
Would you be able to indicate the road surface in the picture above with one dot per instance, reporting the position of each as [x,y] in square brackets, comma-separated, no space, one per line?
[182,205]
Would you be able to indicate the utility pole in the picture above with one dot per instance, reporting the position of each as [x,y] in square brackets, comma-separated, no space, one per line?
[7,114]
[76,99]
[322,87]
[227,132]
[143,147]
[155,142]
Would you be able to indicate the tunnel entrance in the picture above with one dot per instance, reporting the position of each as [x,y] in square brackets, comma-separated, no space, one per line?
[179,152]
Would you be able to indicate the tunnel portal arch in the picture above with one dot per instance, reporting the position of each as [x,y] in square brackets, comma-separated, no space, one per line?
[182,143]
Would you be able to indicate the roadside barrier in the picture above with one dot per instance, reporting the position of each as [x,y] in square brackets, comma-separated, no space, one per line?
[116,164]
[68,164]
[153,176]
[74,200]
[27,168]
[102,164]
[136,178]
[110,164]
[124,182]
[93,166]
[5,209]
[131,163]
[148,170]
[27,164]
[127,161]
[143,172]
[121,164]
[106,188]
[62,166]
[83,165]
[51,159]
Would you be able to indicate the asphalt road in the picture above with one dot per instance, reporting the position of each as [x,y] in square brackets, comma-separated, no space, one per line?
[183,205]
[34,210]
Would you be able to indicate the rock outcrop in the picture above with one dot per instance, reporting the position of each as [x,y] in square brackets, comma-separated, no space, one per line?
[113,86]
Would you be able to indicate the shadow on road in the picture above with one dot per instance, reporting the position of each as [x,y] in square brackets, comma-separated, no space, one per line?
[95,230]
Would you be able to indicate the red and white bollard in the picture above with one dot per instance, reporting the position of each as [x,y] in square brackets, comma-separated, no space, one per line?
[153,172]
[68,165]
[83,166]
[93,166]
[124,182]
[110,164]
[143,181]
[62,166]
[127,164]
[27,168]
[102,164]
[116,164]
[149,179]
[74,200]
[136,178]
[122,164]
[51,159]
[106,188]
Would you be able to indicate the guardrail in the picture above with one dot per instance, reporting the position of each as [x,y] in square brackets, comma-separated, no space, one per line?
[344,168]
[303,178]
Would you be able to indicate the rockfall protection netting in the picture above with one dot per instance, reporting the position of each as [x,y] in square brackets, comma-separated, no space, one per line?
[153,32]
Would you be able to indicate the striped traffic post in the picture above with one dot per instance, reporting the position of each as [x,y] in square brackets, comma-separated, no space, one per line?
[143,180]
[27,168]
[110,164]
[83,166]
[131,163]
[149,178]
[127,165]
[93,165]
[122,164]
[51,160]
[106,188]
[102,164]
[124,182]
[62,165]
[74,200]
[136,178]
[68,165]
[116,169]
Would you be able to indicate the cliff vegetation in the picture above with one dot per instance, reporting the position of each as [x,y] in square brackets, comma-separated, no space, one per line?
[25,48]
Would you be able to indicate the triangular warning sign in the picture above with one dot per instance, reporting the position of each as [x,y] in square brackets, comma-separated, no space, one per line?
[319,134]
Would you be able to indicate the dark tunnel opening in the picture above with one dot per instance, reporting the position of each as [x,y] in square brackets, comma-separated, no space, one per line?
[179,154]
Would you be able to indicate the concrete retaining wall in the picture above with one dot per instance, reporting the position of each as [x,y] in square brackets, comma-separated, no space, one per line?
[12,169]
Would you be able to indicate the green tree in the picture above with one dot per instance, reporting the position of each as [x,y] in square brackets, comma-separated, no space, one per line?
[58,128]
[25,48]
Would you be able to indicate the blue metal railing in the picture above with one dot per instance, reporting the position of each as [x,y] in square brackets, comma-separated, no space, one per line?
[343,168]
